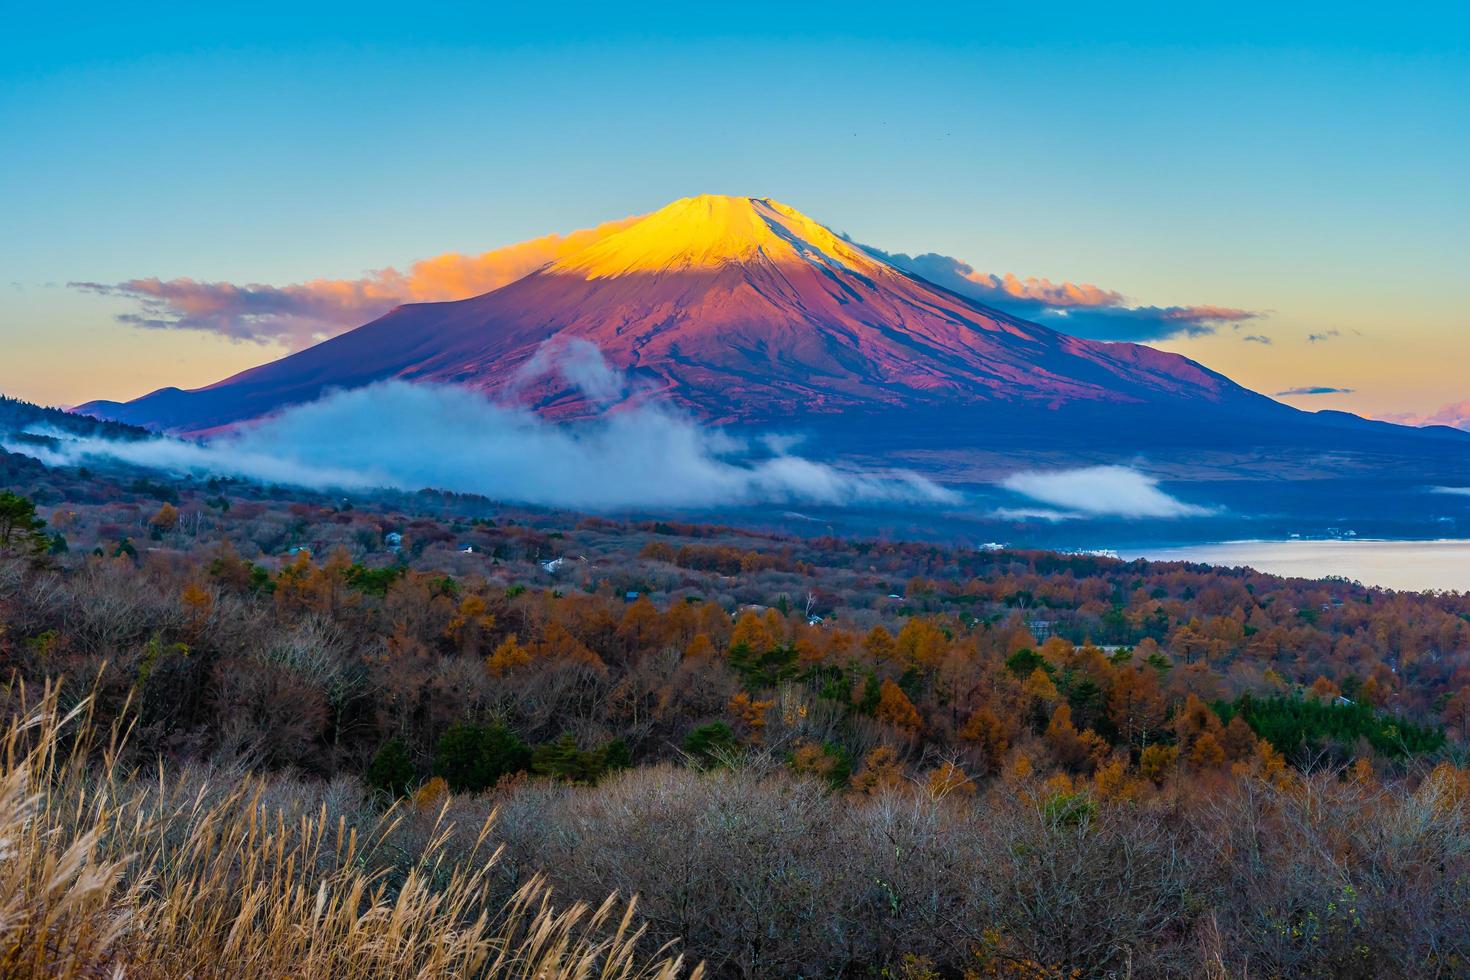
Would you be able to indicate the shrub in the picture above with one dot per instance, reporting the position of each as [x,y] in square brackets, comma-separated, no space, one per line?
[391,771]
[472,758]
[564,759]
[707,744]
[20,529]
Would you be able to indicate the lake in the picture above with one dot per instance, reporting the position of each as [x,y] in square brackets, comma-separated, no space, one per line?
[1415,565]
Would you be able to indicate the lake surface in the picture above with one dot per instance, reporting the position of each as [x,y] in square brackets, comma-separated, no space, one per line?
[1415,565]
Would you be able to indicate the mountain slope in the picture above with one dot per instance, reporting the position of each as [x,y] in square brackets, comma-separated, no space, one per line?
[738,309]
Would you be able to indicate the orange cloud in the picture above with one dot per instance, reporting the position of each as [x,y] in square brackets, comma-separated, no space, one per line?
[302,314]
[457,276]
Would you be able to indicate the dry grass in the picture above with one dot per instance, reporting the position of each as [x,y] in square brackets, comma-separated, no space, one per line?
[109,873]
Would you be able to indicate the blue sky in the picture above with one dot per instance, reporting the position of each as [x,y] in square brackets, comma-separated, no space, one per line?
[1306,163]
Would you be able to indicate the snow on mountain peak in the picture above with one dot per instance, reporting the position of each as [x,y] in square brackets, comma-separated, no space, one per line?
[711,231]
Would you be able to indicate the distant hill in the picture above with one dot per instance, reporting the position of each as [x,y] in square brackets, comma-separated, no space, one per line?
[16,416]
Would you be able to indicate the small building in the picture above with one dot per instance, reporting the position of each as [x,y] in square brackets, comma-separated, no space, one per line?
[553,566]
[466,548]
[1041,628]
[631,596]
[393,540]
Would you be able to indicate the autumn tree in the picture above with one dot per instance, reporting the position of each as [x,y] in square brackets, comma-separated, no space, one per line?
[895,708]
[641,626]
[293,584]
[751,635]
[1040,693]
[1136,705]
[1112,782]
[559,646]
[1194,721]
[881,770]
[1157,761]
[750,716]
[199,603]
[879,644]
[229,570]
[921,642]
[1206,751]
[948,779]
[303,586]
[165,519]
[1322,689]
[700,648]
[987,733]
[657,551]
[1040,687]
[507,657]
[471,621]
[824,761]
[1073,749]
[1238,741]
[1456,713]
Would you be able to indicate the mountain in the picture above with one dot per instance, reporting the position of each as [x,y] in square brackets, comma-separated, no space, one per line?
[736,308]
[745,311]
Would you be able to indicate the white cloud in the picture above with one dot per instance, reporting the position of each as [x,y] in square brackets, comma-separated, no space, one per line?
[578,360]
[1098,491]
[1033,514]
[409,436]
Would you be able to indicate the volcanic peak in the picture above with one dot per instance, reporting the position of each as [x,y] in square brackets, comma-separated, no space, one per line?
[711,231]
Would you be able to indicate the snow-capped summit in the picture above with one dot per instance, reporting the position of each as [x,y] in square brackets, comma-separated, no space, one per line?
[714,230]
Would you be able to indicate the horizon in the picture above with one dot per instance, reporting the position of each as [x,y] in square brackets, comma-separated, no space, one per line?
[327,154]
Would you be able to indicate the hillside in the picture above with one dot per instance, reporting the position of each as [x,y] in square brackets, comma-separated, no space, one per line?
[16,416]
[824,757]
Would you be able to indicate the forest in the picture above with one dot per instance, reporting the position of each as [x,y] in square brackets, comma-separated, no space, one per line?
[717,749]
